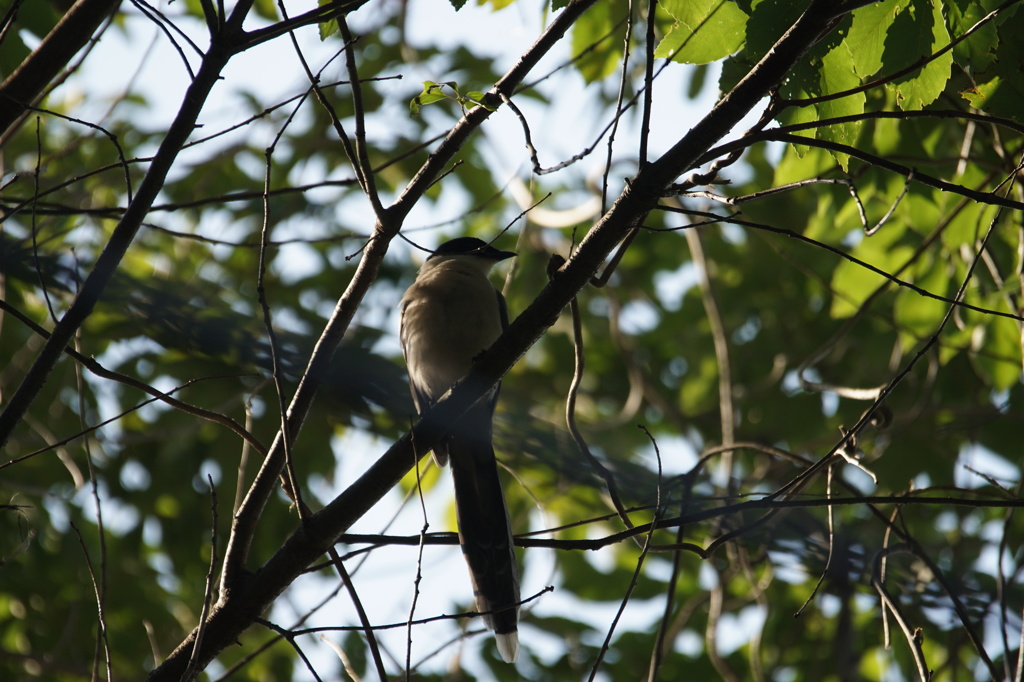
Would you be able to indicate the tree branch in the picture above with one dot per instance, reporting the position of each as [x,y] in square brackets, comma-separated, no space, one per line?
[23,87]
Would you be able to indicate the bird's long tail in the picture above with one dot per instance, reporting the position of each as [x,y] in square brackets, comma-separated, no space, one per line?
[486,536]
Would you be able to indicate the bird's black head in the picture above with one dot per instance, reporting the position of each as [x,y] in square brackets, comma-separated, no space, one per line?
[470,246]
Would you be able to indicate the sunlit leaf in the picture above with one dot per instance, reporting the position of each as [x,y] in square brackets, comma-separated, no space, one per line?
[703,32]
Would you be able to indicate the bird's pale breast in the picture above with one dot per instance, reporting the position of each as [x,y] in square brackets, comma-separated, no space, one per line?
[455,317]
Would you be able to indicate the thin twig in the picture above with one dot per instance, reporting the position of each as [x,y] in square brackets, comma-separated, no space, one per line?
[892,208]
[661,641]
[716,603]
[101,587]
[419,568]
[913,640]
[291,638]
[102,639]
[636,574]
[191,671]
[364,620]
[737,509]
[162,22]
[35,230]
[570,410]
[294,491]
[598,281]
[361,159]
[721,344]
[831,546]
[619,108]
[401,625]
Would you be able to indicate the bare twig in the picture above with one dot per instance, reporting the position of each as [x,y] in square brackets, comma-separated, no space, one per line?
[166,26]
[570,416]
[831,546]
[892,208]
[294,491]
[419,568]
[661,640]
[716,602]
[721,342]
[737,509]
[99,585]
[636,572]
[778,135]
[364,620]
[360,157]
[291,638]
[101,639]
[211,575]
[913,640]
[90,429]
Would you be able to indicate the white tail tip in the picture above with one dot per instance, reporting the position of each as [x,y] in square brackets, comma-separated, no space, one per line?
[508,646]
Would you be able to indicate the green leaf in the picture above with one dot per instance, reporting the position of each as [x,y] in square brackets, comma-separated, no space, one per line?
[918,31]
[796,116]
[267,9]
[597,52]
[432,92]
[475,97]
[998,97]
[999,358]
[838,75]
[978,51]
[997,61]
[853,283]
[704,31]
[327,28]
[867,35]
[918,316]
[700,389]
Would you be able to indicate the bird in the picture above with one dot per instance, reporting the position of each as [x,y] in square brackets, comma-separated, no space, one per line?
[449,315]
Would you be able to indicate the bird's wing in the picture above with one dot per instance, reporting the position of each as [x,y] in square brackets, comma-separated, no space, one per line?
[503,315]
[420,395]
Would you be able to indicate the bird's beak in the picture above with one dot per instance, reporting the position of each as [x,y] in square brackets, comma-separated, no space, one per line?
[496,254]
